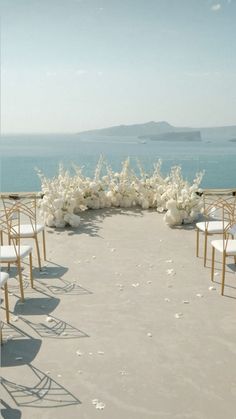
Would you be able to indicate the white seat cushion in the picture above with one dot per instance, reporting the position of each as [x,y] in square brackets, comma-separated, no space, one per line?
[212,227]
[220,245]
[3,278]
[26,230]
[8,253]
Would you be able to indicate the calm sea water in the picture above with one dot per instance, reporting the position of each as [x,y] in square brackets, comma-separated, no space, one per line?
[20,155]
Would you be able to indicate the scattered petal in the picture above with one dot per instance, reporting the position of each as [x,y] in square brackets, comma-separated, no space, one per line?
[139,266]
[100,405]
[216,274]
[199,295]
[135,285]
[59,375]
[149,282]
[178,315]
[90,353]
[113,249]
[9,337]
[18,358]
[167,300]
[212,288]
[170,271]
[94,257]
[149,334]
[169,261]
[79,353]
[100,353]
[185,302]
[48,372]
[95,401]
[15,318]
[49,319]
[123,372]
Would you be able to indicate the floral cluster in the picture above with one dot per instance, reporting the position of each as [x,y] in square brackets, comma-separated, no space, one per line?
[66,195]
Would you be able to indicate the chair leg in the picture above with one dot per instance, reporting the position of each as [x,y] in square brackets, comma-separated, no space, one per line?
[31,270]
[197,244]
[20,280]
[38,253]
[44,245]
[213,264]
[205,249]
[6,302]
[223,274]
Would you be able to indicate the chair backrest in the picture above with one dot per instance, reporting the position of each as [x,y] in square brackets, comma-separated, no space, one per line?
[213,204]
[10,224]
[229,221]
[25,206]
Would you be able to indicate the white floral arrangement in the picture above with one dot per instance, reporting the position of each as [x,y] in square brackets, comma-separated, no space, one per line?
[66,195]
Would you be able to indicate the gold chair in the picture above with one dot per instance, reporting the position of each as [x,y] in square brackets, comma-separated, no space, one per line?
[29,227]
[226,245]
[213,223]
[14,252]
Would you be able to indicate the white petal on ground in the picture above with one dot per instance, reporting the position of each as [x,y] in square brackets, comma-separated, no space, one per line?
[15,318]
[135,285]
[149,282]
[199,295]
[49,319]
[95,401]
[100,353]
[10,337]
[185,302]
[94,257]
[149,334]
[113,249]
[169,261]
[178,315]
[216,273]
[167,300]
[18,358]
[79,353]
[212,288]
[170,271]
[59,375]
[100,405]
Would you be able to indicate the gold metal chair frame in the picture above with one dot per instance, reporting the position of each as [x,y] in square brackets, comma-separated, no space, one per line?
[10,225]
[229,218]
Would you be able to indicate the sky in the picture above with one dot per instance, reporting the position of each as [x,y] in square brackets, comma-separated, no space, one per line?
[75,65]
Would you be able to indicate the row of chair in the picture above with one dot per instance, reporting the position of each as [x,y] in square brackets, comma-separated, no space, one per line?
[219,218]
[18,220]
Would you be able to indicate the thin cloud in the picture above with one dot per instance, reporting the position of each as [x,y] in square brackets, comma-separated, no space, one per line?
[216,7]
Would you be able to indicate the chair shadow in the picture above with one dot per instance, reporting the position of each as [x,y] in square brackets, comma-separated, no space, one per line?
[92,219]
[67,288]
[56,328]
[19,352]
[7,412]
[44,393]
[12,331]
[55,271]
[36,306]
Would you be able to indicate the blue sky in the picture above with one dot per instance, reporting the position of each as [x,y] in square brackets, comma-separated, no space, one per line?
[72,65]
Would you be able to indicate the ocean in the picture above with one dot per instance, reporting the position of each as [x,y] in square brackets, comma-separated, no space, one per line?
[20,155]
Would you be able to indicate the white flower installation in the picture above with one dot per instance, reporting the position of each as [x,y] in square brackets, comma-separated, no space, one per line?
[66,195]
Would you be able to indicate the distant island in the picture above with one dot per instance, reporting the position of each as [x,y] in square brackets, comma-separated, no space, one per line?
[163,131]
